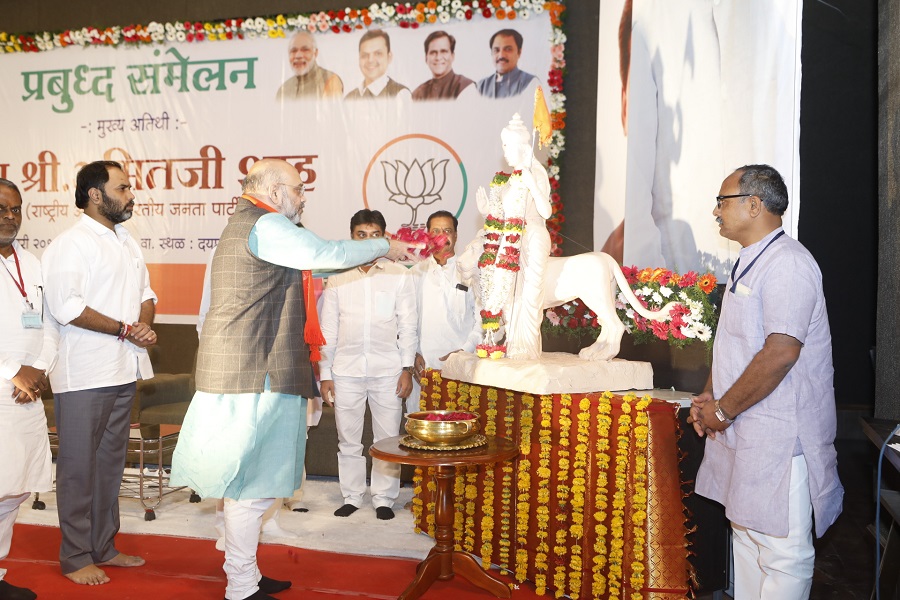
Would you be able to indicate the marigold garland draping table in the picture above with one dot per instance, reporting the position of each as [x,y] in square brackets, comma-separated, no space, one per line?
[592,506]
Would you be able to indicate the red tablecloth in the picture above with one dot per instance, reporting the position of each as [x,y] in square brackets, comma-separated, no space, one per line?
[592,506]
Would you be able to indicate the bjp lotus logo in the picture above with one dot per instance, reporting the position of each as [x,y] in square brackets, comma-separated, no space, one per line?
[415,185]
[414,171]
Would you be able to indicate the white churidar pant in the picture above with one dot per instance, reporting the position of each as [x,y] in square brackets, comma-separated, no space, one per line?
[778,568]
[243,520]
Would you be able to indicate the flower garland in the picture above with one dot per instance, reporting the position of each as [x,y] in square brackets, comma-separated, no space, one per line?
[639,499]
[523,486]
[471,488]
[601,560]
[579,489]
[617,525]
[506,485]
[487,499]
[562,493]
[499,260]
[542,511]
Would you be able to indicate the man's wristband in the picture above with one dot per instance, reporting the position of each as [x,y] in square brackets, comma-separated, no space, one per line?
[124,330]
[722,415]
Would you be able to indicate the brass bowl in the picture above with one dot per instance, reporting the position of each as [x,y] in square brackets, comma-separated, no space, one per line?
[441,433]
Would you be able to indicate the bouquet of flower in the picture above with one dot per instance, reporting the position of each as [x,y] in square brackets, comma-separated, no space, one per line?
[694,320]
[433,243]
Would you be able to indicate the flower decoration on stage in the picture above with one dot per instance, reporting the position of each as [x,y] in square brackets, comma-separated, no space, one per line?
[433,243]
[693,320]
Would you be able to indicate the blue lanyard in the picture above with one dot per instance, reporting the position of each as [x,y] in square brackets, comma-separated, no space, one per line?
[734,281]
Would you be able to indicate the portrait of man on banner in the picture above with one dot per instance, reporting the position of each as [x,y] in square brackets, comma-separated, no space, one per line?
[703,86]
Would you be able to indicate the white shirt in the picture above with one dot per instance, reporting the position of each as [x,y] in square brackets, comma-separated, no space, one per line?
[89,265]
[376,87]
[18,345]
[369,322]
[449,316]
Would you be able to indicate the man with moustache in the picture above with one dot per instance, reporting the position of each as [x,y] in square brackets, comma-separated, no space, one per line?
[768,408]
[309,80]
[440,51]
[374,59]
[27,348]
[244,435]
[97,292]
[508,80]
[449,312]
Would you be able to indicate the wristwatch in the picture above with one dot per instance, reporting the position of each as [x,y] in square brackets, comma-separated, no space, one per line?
[410,370]
[720,414]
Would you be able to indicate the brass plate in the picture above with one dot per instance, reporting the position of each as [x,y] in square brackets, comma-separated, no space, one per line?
[417,444]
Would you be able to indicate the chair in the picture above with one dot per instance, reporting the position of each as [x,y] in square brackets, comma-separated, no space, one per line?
[156,417]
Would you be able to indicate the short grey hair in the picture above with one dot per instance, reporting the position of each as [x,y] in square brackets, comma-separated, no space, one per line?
[260,181]
[766,183]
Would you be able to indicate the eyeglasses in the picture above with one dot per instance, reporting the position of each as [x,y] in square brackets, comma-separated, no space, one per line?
[298,189]
[721,199]
[447,231]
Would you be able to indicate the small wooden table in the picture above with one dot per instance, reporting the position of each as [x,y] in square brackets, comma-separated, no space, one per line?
[443,562]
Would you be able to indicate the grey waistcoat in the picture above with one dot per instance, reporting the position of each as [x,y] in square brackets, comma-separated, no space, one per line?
[255,320]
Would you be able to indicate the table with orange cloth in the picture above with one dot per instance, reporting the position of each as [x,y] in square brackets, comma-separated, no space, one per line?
[591,507]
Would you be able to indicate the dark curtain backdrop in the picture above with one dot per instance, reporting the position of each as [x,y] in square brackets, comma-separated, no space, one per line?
[838,145]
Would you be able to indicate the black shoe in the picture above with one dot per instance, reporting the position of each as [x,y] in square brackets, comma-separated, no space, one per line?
[10,592]
[272,586]
[384,513]
[346,510]
[259,595]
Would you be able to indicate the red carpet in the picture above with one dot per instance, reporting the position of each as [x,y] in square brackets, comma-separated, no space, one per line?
[182,568]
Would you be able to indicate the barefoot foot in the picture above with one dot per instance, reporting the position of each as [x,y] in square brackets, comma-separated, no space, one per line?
[89,575]
[123,560]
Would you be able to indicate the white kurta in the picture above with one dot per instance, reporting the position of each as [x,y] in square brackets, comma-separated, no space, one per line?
[449,318]
[24,446]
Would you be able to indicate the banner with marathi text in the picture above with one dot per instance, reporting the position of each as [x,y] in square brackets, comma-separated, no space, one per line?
[187,120]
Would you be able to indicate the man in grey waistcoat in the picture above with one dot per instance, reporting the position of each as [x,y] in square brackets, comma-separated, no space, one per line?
[244,436]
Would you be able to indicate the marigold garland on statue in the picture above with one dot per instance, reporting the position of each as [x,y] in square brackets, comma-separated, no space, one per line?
[499,261]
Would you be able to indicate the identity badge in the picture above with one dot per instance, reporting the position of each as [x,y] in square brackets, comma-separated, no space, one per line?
[31,319]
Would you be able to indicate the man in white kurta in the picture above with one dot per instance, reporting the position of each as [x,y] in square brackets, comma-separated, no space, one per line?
[369,324]
[769,404]
[449,318]
[98,291]
[244,435]
[27,348]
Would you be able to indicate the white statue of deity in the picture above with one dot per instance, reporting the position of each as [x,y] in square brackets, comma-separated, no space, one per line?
[513,277]
[510,267]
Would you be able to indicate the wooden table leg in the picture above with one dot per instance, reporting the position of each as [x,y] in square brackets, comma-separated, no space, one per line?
[442,562]
[470,568]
